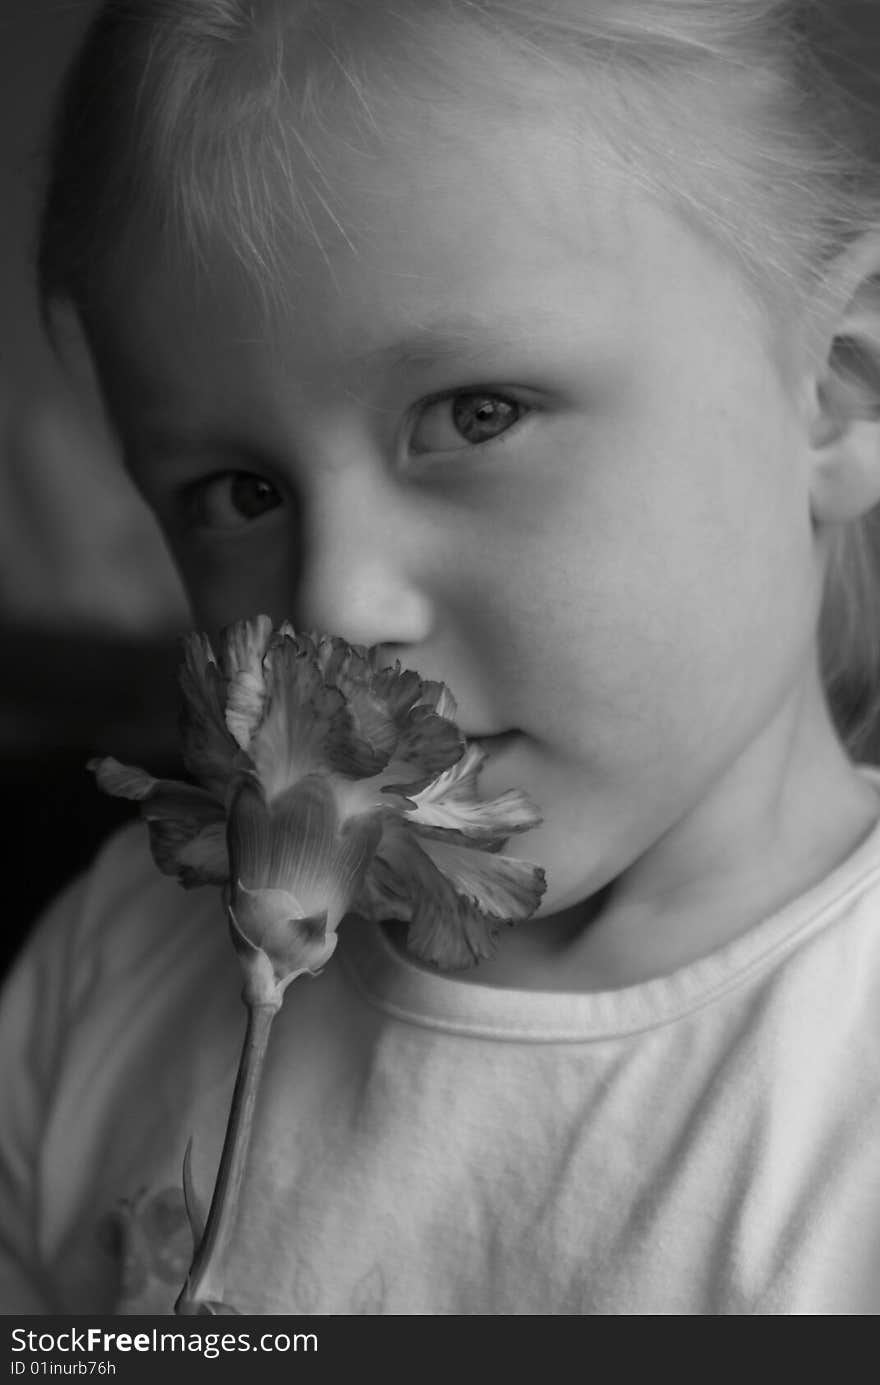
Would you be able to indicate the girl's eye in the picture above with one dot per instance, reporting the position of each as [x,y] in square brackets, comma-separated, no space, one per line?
[471,417]
[229,501]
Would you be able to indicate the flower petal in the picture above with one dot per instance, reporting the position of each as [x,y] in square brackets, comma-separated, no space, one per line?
[128,781]
[428,740]
[300,713]
[209,751]
[438,696]
[399,688]
[388,719]
[384,894]
[449,932]
[250,838]
[243,648]
[449,807]
[500,886]
[364,742]
[187,825]
[168,797]
[348,747]
[298,844]
[445,928]
[428,745]
[196,855]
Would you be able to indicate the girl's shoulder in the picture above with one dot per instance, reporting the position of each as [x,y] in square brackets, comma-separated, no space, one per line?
[118,920]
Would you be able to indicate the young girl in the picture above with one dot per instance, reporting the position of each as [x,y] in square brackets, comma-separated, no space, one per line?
[538,344]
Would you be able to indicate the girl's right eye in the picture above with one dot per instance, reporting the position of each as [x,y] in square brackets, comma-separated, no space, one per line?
[229,501]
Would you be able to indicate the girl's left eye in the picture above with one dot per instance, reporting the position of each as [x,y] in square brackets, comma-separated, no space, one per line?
[470,417]
[229,501]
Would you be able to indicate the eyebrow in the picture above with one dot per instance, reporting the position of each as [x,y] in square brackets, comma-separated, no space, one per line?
[464,334]
[164,442]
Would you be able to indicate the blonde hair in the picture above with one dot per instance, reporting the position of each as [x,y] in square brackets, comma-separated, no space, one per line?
[752,115]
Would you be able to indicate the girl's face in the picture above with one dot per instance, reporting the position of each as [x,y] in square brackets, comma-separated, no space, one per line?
[525,429]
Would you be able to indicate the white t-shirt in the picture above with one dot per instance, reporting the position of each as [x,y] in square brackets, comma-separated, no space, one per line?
[705,1143]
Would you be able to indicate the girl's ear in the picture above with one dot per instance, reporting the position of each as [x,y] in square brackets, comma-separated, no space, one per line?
[845,424]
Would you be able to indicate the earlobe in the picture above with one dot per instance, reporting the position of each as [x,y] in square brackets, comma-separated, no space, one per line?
[845,428]
[846,477]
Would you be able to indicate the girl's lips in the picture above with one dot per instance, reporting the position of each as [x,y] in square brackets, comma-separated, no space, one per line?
[499,740]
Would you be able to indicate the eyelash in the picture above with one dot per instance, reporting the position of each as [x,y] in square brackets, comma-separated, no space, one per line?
[449,398]
[195,498]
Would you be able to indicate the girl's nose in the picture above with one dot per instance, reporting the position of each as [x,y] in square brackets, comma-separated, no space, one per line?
[359,573]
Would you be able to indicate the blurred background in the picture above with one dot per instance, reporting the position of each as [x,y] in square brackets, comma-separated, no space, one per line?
[90,606]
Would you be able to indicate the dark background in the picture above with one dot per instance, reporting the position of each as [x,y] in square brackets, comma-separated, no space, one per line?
[90,608]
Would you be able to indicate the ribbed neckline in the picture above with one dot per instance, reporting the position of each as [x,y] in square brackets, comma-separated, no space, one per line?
[410,993]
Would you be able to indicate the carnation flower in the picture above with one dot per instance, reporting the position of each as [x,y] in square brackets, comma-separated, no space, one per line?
[326,784]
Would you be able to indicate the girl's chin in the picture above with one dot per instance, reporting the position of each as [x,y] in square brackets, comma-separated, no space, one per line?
[572,842]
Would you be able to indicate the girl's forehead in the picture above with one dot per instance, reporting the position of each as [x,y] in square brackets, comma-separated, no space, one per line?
[492,263]
[431,228]
[438,159]
[459,209]
[454,130]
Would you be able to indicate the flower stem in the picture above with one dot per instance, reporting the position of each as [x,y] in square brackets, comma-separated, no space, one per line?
[203,1291]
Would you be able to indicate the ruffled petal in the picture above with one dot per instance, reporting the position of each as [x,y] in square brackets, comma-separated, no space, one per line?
[384,894]
[128,781]
[209,750]
[187,825]
[348,669]
[427,741]
[243,648]
[301,713]
[348,748]
[452,937]
[171,796]
[367,737]
[500,886]
[428,745]
[196,855]
[388,718]
[449,807]
[400,689]
[438,696]
[449,932]
[445,928]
